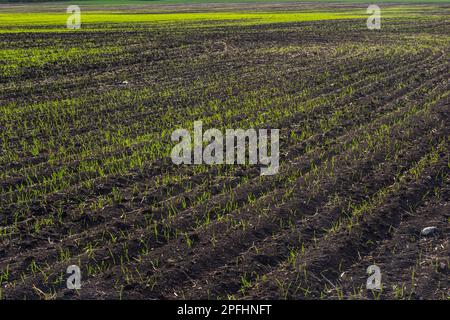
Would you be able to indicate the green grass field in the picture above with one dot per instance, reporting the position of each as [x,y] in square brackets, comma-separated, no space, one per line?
[93,19]
[133,2]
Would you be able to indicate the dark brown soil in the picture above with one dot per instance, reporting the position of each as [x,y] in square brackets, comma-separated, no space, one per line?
[369,173]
